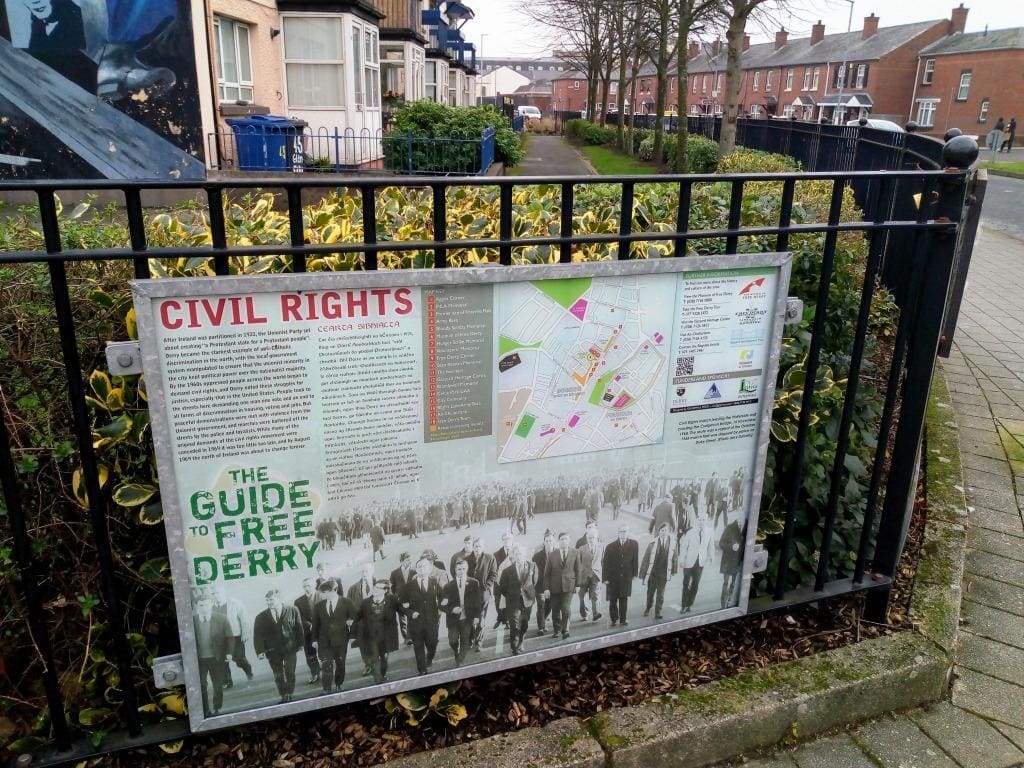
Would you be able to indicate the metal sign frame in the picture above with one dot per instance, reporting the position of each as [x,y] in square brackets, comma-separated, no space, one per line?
[144,291]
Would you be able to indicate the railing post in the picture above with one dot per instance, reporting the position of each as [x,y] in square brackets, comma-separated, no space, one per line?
[922,347]
[408,152]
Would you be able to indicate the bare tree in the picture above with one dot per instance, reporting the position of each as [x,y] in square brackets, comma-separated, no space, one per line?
[661,53]
[691,16]
[628,29]
[736,14]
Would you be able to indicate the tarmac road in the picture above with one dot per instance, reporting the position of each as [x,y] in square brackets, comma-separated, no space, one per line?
[1003,209]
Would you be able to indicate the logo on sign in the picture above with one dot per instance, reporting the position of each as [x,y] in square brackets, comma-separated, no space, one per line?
[749,287]
[748,387]
[713,393]
[746,358]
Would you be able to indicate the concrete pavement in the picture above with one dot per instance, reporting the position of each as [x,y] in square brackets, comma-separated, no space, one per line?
[982,725]
[552,156]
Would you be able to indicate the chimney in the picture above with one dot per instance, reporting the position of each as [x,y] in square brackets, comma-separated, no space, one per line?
[693,49]
[746,42]
[958,21]
[716,47]
[817,33]
[781,37]
[870,26]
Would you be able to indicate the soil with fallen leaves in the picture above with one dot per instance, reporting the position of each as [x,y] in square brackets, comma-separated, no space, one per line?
[364,734]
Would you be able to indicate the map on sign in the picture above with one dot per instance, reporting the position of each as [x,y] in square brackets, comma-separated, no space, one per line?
[582,364]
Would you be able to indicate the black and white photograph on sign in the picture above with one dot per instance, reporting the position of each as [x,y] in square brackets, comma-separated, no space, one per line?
[381,488]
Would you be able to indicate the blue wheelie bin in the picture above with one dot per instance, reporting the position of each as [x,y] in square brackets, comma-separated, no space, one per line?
[263,142]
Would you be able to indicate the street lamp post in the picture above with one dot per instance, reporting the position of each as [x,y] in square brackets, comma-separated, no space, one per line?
[842,82]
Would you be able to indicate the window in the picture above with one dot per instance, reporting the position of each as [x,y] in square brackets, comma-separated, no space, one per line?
[840,76]
[757,81]
[371,67]
[613,87]
[755,110]
[704,84]
[575,85]
[789,79]
[357,64]
[983,115]
[694,109]
[807,80]
[234,66]
[787,111]
[929,72]
[693,86]
[965,85]
[313,61]
[718,82]
[816,79]
[862,72]
[768,80]
[926,112]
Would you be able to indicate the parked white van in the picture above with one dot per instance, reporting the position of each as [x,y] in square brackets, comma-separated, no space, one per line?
[528,113]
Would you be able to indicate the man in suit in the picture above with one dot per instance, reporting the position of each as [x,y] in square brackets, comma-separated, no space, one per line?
[333,617]
[590,572]
[561,574]
[485,571]
[661,561]
[306,602]
[502,557]
[377,539]
[619,566]
[594,503]
[356,594]
[518,588]
[213,641]
[378,629]
[462,602]
[462,554]
[695,552]
[420,604]
[664,513]
[277,637]
[731,566]
[540,558]
[399,578]
[238,622]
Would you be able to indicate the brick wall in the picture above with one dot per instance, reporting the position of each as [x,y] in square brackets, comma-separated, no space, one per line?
[567,98]
[995,75]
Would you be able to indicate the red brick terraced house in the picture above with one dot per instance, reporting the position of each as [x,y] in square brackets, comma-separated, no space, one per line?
[969,81]
[569,92]
[832,77]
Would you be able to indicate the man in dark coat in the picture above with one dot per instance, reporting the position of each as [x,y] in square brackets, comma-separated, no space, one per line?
[485,571]
[377,540]
[399,578]
[277,637]
[306,602]
[462,601]
[378,629]
[540,558]
[660,563]
[664,512]
[333,618]
[420,604]
[213,641]
[518,588]
[561,574]
[501,556]
[620,566]
[462,554]
[731,544]
[356,594]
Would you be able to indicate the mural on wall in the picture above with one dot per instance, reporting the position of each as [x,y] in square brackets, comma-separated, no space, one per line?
[98,89]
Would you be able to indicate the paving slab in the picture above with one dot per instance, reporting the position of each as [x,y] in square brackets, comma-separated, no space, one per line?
[781,760]
[900,743]
[1016,735]
[994,594]
[553,156]
[967,738]
[1000,467]
[986,480]
[996,567]
[833,752]
[993,542]
[1004,501]
[992,623]
[990,657]
[1005,521]
[990,698]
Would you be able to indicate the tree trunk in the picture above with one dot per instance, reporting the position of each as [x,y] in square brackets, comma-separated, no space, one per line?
[620,103]
[734,42]
[661,71]
[592,96]
[680,163]
[632,103]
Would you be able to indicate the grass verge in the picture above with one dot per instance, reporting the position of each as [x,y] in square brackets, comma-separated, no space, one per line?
[610,162]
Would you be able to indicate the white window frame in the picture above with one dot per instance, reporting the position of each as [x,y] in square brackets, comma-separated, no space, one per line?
[807,80]
[244,85]
[816,79]
[964,88]
[575,85]
[693,87]
[718,83]
[371,66]
[929,72]
[768,80]
[926,109]
[755,110]
[789,79]
[757,81]
[840,75]
[862,70]
[341,64]
[787,110]
[983,114]
[704,84]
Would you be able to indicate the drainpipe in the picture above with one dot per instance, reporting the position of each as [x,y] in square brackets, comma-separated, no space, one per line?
[913,95]
[211,68]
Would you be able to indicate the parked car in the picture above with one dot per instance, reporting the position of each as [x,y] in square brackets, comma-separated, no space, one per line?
[881,125]
[528,113]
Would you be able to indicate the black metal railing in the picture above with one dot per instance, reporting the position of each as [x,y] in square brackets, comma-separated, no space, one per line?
[932,229]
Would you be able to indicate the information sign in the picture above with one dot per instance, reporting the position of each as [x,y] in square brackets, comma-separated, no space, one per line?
[385,480]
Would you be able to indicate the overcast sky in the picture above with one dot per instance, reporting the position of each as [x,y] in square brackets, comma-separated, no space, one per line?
[500,28]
